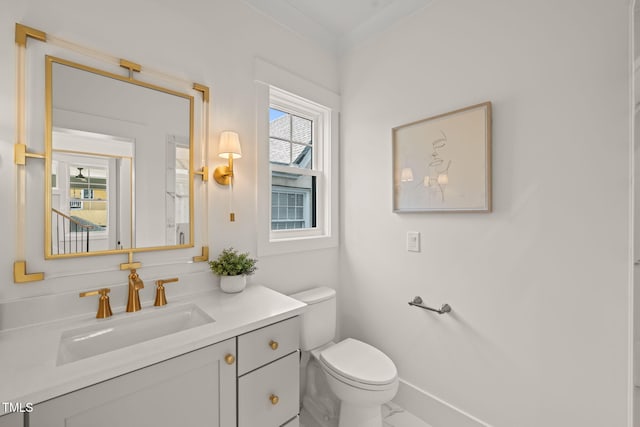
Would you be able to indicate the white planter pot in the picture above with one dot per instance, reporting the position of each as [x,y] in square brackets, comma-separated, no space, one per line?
[233,284]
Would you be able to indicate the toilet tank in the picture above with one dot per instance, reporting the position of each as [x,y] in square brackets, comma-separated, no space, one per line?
[318,326]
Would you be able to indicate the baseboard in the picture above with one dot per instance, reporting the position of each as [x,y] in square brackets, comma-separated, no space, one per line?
[433,410]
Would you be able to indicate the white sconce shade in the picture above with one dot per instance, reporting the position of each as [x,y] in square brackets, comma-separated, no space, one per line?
[406,175]
[443,179]
[229,146]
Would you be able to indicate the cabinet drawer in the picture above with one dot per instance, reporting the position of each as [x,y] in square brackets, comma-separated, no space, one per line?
[264,345]
[257,393]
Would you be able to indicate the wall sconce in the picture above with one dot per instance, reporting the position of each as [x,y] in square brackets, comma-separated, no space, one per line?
[229,148]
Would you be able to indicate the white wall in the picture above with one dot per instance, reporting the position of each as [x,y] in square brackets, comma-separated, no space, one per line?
[212,42]
[538,333]
[538,287]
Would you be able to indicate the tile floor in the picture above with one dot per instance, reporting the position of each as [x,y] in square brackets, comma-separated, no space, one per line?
[393,416]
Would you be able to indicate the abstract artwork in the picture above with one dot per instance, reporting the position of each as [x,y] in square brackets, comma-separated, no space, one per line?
[443,163]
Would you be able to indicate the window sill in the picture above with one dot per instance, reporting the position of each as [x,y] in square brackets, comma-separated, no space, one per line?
[296,244]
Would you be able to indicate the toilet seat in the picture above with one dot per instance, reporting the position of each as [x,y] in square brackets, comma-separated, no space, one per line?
[359,364]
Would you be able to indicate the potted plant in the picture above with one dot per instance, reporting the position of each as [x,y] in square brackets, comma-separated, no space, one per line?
[233,269]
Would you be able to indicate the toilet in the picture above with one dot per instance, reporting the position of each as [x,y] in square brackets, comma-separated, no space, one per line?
[358,374]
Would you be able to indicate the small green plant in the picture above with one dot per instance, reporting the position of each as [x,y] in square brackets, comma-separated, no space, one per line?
[232,263]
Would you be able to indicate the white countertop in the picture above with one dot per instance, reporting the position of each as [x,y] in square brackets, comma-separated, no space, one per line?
[28,371]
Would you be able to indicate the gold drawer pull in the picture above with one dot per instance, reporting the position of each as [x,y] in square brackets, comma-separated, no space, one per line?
[229,358]
[274,346]
[274,399]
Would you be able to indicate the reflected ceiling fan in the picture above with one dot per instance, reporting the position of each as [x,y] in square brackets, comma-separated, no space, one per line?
[80,176]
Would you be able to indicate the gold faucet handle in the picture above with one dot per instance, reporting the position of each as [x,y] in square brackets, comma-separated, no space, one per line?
[163,281]
[161,297]
[104,308]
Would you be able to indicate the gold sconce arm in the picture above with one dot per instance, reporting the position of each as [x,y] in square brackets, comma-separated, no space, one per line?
[223,174]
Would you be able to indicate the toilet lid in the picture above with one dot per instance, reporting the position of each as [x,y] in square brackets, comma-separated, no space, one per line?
[359,362]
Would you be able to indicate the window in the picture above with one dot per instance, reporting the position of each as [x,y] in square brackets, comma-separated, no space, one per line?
[87,193]
[297,169]
[54,175]
[294,174]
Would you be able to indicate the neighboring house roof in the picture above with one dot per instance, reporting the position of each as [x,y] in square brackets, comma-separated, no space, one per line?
[281,151]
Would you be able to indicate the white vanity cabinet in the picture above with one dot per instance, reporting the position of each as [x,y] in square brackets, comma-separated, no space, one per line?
[269,376]
[195,389]
[252,380]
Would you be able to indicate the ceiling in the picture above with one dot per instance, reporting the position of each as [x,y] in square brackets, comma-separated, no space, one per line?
[337,24]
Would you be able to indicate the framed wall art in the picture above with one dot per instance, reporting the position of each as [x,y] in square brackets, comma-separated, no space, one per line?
[443,163]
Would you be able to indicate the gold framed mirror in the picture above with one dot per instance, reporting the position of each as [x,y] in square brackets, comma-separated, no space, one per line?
[119,157]
[119,145]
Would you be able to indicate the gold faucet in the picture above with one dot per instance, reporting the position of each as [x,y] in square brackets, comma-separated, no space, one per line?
[135,284]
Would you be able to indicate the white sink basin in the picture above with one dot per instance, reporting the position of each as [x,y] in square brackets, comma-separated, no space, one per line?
[109,335]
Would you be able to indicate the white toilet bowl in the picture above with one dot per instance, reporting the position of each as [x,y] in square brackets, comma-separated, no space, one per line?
[363,378]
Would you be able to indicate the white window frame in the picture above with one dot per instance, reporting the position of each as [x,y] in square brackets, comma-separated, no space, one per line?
[276,88]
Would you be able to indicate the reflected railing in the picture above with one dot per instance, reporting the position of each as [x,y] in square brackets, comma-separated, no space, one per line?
[68,235]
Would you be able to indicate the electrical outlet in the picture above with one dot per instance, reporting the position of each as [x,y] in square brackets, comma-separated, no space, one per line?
[413,241]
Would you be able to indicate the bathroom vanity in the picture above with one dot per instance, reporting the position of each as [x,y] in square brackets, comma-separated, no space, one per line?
[240,369]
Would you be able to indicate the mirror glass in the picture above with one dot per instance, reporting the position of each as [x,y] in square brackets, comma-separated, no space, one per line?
[119,163]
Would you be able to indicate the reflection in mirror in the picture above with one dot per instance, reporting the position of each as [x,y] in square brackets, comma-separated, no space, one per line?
[120,155]
[91,192]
